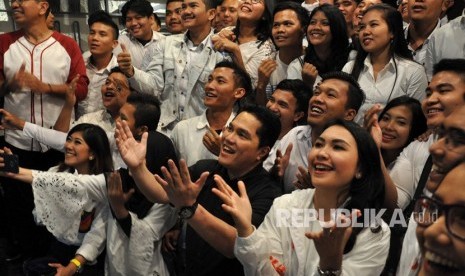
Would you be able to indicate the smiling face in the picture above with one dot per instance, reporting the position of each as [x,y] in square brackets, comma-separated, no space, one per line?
[115,92]
[139,26]
[195,14]
[443,253]
[333,159]
[319,31]
[29,12]
[284,105]
[449,149]
[249,11]
[240,151]
[374,33]
[220,91]
[287,30]
[77,153]
[173,17]
[444,94]
[361,8]
[329,102]
[395,125]
[101,39]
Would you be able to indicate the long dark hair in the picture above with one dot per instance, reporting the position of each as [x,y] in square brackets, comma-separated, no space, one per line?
[366,192]
[418,125]
[97,140]
[263,28]
[339,42]
[398,46]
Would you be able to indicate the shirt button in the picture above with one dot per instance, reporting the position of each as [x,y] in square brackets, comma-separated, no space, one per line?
[180,61]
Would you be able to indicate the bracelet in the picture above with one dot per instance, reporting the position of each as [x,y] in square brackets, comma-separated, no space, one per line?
[78,265]
[328,272]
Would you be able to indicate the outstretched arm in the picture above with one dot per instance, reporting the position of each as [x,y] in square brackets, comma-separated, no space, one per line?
[133,154]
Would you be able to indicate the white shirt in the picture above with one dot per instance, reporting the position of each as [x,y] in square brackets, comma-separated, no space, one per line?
[279,74]
[140,54]
[253,53]
[407,171]
[310,7]
[447,42]
[294,70]
[398,78]
[419,54]
[93,101]
[187,138]
[290,246]
[301,139]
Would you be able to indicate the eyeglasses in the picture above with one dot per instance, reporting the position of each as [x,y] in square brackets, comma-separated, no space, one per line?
[428,210]
[251,1]
[117,84]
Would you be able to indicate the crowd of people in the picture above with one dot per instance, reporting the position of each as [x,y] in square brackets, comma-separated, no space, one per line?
[253,138]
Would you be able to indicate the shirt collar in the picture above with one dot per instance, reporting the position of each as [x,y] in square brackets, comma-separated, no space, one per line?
[205,43]
[155,36]
[113,63]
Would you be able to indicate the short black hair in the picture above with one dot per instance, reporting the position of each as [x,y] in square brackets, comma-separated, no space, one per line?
[104,18]
[302,13]
[241,77]
[116,69]
[141,7]
[301,93]
[270,127]
[355,95]
[456,65]
[157,19]
[147,111]
[211,4]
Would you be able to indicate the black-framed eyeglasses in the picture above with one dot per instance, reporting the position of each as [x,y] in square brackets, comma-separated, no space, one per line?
[428,210]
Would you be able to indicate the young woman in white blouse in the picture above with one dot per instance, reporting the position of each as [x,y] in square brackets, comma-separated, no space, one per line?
[384,67]
[328,46]
[87,152]
[344,166]
[249,42]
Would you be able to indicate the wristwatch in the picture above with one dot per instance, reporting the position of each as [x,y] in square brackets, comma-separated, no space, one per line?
[329,272]
[186,212]
[79,266]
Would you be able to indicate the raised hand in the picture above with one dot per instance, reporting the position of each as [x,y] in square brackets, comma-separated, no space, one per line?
[238,206]
[330,242]
[371,124]
[303,179]
[309,74]
[70,96]
[116,196]
[125,62]
[282,161]
[265,70]
[179,187]
[212,141]
[18,81]
[10,121]
[132,152]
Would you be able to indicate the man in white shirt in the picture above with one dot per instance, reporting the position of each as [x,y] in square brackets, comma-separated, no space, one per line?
[139,40]
[226,86]
[338,96]
[180,66]
[102,40]
[173,21]
[447,42]
[424,19]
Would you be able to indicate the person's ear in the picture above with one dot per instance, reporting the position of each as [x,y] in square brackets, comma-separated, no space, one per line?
[211,13]
[262,153]
[140,130]
[350,114]
[239,93]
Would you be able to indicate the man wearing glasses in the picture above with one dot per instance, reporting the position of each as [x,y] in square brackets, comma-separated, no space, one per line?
[36,68]
[445,112]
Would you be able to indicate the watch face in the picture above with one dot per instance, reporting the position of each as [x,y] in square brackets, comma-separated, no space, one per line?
[186,212]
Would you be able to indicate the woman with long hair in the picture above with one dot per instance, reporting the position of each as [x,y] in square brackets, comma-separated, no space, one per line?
[249,42]
[383,66]
[400,122]
[87,152]
[305,232]
[328,46]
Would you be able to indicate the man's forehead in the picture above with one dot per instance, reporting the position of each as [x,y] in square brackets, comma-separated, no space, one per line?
[334,84]
[246,121]
[223,72]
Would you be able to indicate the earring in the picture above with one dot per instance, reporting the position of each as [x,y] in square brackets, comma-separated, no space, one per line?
[358,175]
